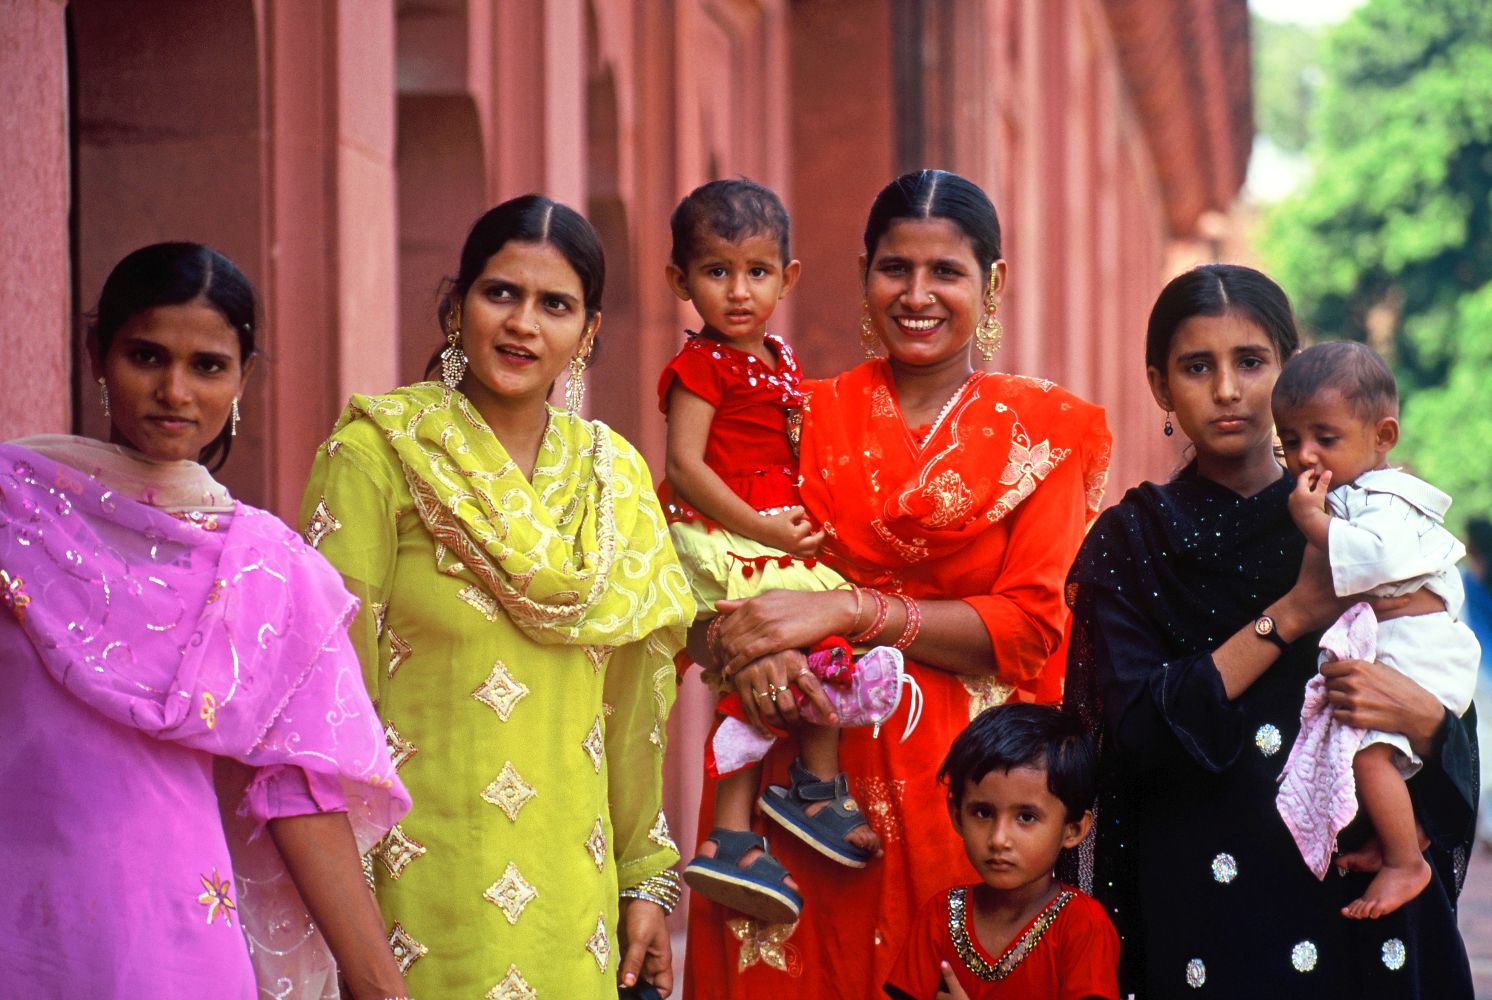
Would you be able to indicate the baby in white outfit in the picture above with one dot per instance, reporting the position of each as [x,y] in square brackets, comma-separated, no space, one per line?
[1336,411]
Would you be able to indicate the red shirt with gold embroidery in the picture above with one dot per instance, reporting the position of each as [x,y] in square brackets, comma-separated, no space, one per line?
[748,446]
[1069,951]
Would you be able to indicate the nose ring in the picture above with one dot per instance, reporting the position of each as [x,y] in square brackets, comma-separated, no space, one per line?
[931,297]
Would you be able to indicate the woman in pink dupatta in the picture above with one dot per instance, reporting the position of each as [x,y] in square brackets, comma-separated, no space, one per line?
[178,678]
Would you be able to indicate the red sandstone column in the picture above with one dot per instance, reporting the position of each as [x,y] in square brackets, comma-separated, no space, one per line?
[35,329]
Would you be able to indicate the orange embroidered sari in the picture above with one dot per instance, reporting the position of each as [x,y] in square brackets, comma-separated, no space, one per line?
[990,508]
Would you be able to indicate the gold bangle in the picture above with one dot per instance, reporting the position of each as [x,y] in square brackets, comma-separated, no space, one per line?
[664,889]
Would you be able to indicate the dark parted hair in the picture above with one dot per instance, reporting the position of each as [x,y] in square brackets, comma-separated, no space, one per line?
[1355,370]
[529,218]
[1024,735]
[731,209]
[1215,290]
[936,194]
[174,274]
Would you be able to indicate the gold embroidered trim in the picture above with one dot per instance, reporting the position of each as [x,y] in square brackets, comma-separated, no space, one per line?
[509,792]
[501,691]
[660,835]
[399,651]
[985,692]
[565,608]
[958,930]
[484,602]
[595,845]
[767,944]
[397,850]
[400,749]
[594,744]
[513,987]
[322,523]
[599,945]
[511,893]
[406,949]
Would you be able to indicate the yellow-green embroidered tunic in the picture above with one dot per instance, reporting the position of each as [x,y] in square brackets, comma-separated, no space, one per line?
[518,637]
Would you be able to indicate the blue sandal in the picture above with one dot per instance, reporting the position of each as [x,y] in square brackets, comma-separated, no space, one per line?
[758,890]
[825,831]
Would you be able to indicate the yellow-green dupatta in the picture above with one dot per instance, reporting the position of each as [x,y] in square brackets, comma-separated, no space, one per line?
[578,554]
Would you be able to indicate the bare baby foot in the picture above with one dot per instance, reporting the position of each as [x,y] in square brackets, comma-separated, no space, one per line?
[1390,889]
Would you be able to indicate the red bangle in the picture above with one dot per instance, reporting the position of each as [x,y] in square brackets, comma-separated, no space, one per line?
[883,609]
[914,623]
[712,638]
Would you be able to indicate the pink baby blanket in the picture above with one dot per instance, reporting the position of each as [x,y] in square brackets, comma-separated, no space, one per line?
[1318,795]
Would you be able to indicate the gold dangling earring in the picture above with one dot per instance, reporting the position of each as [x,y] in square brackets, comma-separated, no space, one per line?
[233,419]
[989,330]
[103,389]
[575,385]
[453,360]
[867,331]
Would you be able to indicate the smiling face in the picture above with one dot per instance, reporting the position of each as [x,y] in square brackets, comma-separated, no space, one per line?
[1013,828]
[521,322]
[926,291]
[172,373]
[1325,433]
[1219,373]
[735,285]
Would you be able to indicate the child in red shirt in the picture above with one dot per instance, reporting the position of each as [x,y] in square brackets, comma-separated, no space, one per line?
[1019,779]
[735,517]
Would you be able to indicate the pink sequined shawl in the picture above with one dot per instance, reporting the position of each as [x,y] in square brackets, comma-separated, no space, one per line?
[216,628]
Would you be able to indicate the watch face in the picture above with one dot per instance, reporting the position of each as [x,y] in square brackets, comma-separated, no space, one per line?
[1264,625]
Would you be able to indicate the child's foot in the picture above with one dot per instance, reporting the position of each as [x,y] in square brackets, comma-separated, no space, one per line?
[862,837]
[709,849]
[734,868]
[821,813]
[1390,889]
[1367,858]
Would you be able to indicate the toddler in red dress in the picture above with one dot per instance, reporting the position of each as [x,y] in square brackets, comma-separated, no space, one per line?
[731,497]
[1020,779]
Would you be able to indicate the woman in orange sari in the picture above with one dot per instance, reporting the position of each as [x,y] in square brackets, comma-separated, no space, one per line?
[955,499]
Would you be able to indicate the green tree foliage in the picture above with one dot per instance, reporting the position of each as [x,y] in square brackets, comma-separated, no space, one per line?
[1287,78]
[1390,238]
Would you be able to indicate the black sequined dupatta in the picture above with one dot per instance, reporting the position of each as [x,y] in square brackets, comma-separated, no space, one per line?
[1199,561]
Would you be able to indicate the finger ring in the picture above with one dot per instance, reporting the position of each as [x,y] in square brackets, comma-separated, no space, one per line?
[773,695]
[763,694]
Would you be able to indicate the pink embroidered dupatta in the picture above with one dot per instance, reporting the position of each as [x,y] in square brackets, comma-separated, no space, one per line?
[213,630]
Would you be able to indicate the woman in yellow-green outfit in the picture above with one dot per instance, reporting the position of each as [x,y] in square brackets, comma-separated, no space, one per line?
[521,608]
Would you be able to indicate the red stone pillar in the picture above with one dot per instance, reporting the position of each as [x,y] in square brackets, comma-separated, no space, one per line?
[35,309]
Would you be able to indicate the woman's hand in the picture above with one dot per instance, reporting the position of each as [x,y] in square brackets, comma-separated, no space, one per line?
[779,673]
[779,620]
[646,949]
[1372,696]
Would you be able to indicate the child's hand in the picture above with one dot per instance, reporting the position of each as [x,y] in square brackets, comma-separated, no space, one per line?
[791,531]
[951,989]
[1308,500]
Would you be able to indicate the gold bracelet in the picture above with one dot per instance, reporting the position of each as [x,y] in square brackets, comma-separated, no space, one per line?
[664,889]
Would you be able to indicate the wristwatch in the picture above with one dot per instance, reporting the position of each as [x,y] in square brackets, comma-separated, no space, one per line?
[1265,628]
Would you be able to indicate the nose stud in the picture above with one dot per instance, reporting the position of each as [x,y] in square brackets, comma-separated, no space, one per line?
[536,327]
[931,298]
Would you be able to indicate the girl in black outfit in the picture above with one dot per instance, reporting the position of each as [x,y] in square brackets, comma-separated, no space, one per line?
[1197,606]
